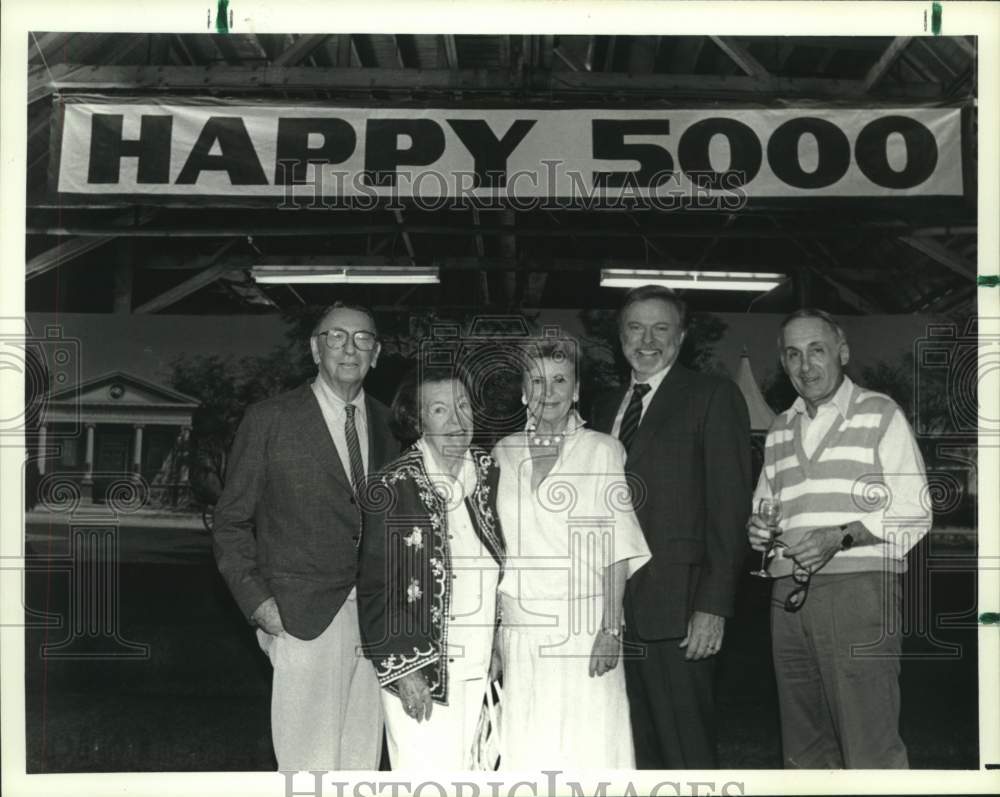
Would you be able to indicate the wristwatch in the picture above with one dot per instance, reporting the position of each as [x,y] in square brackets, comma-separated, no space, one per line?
[847,540]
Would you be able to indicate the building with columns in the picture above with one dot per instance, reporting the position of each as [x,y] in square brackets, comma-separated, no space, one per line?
[115,425]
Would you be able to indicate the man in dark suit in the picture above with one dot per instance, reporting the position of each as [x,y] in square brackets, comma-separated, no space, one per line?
[688,441]
[286,533]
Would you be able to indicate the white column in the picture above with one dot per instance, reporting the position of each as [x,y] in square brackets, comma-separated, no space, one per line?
[183,441]
[88,473]
[137,449]
[43,434]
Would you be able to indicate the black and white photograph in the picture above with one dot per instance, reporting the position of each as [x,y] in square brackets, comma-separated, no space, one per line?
[498,399]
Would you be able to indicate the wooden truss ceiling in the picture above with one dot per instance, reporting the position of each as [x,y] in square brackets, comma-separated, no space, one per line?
[139,259]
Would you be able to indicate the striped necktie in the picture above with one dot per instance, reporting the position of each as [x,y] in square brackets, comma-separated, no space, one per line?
[633,412]
[354,449]
[354,455]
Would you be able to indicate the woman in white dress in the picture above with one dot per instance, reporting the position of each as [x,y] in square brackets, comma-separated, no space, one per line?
[572,542]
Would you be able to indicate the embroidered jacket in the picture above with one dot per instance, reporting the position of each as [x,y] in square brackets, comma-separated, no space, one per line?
[405,578]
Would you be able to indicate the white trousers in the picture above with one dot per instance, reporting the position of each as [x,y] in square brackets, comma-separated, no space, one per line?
[443,742]
[325,708]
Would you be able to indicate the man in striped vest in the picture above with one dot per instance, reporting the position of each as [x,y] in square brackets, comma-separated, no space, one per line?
[845,466]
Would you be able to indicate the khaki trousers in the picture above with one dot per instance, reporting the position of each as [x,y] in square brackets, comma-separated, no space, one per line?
[837,666]
[325,707]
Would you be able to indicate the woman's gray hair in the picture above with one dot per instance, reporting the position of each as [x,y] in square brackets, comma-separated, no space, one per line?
[551,348]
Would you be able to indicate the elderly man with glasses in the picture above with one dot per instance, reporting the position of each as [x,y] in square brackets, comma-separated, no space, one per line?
[286,533]
[845,466]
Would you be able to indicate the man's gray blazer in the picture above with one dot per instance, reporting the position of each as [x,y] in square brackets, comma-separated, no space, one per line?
[287,521]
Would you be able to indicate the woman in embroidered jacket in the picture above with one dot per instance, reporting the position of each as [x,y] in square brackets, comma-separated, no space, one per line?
[431,556]
[573,540]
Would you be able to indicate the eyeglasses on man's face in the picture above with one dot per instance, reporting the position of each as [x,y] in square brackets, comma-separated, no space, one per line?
[337,338]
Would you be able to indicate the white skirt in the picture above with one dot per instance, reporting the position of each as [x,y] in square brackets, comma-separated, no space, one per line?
[443,742]
[554,714]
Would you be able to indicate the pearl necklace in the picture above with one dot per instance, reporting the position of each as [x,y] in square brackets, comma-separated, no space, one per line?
[548,441]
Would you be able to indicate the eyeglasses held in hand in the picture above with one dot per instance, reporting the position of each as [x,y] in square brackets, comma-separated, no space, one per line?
[797,597]
[337,338]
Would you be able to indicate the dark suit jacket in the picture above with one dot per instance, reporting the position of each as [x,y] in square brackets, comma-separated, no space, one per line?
[690,466]
[404,586]
[287,518]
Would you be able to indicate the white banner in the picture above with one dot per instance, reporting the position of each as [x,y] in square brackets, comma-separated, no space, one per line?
[205,150]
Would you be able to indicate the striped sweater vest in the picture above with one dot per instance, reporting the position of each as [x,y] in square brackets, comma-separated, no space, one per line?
[841,483]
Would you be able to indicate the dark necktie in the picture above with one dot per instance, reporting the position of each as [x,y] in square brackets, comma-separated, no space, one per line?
[354,455]
[633,412]
[354,449]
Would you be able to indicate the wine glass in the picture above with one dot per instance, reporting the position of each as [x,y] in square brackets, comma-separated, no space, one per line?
[768,510]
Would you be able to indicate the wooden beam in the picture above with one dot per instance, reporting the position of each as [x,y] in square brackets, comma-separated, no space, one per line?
[642,55]
[74,77]
[406,51]
[534,288]
[49,43]
[508,251]
[450,52]
[262,230]
[63,253]
[848,294]
[741,56]
[406,236]
[339,45]
[933,53]
[966,45]
[227,49]
[687,50]
[301,49]
[177,40]
[948,300]
[934,232]
[913,62]
[123,50]
[567,59]
[886,60]
[208,275]
[480,245]
[546,44]
[609,54]
[939,254]
[785,51]
[123,278]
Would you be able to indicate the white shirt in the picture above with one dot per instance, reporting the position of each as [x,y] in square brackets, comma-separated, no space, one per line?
[332,406]
[654,383]
[580,520]
[475,572]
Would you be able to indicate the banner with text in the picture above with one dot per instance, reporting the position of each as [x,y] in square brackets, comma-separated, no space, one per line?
[197,151]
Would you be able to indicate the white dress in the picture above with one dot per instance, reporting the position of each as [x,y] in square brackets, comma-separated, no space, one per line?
[559,540]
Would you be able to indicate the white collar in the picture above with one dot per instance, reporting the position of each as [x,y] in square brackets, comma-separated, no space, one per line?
[841,400]
[454,489]
[334,401]
[654,381]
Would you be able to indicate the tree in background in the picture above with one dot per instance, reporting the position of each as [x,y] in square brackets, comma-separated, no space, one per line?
[226,386]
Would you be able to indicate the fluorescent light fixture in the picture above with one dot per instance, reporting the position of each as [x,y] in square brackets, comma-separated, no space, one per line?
[344,275]
[691,280]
